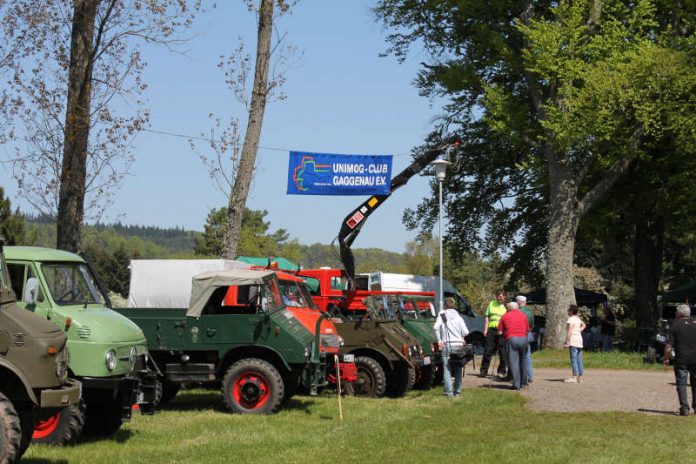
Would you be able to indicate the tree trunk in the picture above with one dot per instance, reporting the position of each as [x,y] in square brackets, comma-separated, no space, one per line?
[647,266]
[563,225]
[77,122]
[245,169]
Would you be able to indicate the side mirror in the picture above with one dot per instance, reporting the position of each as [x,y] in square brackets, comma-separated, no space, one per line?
[31,291]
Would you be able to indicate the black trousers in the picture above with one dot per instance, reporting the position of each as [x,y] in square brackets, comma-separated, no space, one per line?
[494,343]
[681,373]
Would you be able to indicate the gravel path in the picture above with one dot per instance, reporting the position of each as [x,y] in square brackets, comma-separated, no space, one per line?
[651,392]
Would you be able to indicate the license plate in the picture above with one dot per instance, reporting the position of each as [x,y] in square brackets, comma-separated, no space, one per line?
[348,358]
[426,360]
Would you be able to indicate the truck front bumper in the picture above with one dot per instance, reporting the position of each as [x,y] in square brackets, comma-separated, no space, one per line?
[68,394]
[141,388]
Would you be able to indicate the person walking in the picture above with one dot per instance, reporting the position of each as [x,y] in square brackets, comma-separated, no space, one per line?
[494,341]
[450,330]
[682,338]
[573,342]
[522,303]
[514,327]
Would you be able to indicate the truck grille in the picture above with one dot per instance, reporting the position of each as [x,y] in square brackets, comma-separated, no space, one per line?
[19,339]
[84,332]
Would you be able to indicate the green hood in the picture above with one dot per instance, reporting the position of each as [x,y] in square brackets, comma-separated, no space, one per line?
[101,325]
[423,331]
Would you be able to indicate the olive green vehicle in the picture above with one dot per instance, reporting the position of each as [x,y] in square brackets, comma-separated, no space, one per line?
[33,371]
[235,333]
[108,352]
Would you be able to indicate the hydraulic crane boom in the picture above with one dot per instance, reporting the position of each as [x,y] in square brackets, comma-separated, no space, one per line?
[354,221]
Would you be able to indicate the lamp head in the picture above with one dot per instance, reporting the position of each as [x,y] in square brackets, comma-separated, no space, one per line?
[440,166]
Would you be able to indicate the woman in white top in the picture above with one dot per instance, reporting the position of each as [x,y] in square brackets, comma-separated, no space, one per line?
[574,342]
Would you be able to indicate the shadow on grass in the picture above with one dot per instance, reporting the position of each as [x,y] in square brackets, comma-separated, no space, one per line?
[655,411]
[42,461]
[122,436]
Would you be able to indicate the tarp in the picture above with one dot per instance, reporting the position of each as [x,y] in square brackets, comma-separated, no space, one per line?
[681,294]
[332,174]
[204,284]
[166,283]
[283,263]
[582,297]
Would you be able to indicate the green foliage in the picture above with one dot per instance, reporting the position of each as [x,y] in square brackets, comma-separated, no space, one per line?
[255,239]
[12,226]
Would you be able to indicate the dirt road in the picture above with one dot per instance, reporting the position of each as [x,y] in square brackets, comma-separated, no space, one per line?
[650,392]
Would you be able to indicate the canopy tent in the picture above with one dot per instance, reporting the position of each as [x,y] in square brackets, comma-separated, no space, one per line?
[204,284]
[582,297]
[283,263]
[681,294]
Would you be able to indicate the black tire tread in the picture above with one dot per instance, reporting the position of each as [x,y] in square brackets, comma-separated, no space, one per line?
[10,432]
[70,427]
[368,363]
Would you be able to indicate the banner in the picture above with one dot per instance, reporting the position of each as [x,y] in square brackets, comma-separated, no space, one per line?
[330,174]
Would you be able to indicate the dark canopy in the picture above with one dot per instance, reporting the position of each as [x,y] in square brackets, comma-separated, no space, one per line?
[681,294]
[582,297]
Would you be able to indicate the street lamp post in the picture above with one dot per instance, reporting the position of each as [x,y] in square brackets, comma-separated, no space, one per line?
[440,168]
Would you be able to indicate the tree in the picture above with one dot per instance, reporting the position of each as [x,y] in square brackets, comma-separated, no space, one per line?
[11,224]
[553,101]
[74,144]
[255,239]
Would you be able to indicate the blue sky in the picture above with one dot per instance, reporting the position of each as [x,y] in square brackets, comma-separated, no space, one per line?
[341,98]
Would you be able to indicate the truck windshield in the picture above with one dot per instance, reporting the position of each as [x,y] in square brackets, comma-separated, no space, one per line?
[71,283]
[295,294]
[417,308]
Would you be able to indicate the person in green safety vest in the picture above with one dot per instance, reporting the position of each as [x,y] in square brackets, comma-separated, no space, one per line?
[494,340]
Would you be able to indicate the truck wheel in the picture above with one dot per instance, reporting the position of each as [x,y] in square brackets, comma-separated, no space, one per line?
[371,383]
[401,380]
[60,428]
[425,378]
[252,386]
[10,432]
[103,418]
[169,391]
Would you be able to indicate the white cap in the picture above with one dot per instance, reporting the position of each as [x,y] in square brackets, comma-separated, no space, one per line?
[521,298]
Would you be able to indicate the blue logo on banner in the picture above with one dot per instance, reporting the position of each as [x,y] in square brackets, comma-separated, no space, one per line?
[328,174]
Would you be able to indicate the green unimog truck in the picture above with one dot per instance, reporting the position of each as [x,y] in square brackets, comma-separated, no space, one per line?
[108,352]
[33,371]
[236,332]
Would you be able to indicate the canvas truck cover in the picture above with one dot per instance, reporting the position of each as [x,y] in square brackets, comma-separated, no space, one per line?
[203,285]
[166,283]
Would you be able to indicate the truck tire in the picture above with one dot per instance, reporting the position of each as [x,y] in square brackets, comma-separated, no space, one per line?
[291,385]
[401,380]
[371,383]
[425,378]
[10,432]
[60,428]
[26,422]
[103,418]
[169,391]
[252,386]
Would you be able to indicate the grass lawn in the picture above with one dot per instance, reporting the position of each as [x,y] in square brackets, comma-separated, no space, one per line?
[594,360]
[482,426]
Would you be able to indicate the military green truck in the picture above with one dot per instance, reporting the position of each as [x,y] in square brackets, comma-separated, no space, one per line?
[236,332]
[386,355]
[33,371]
[108,351]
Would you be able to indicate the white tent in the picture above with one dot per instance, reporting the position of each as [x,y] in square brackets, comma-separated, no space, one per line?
[166,283]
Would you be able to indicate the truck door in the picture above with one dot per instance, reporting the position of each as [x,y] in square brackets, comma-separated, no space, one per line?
[232,316]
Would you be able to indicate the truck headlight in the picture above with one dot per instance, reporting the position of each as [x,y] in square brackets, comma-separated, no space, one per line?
[111,360]
[132,359]
[62,360]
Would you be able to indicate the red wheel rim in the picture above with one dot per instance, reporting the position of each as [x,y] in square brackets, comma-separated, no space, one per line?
[251,390]
[46,427]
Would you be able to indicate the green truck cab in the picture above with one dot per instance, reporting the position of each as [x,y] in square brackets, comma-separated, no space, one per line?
[387,356]
[33,371]
[236,332]
[108,351]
